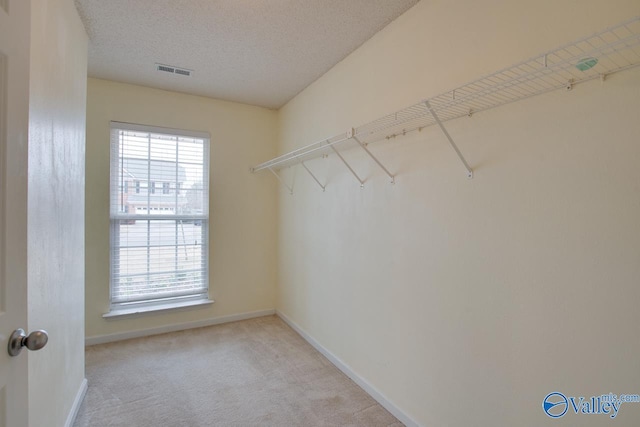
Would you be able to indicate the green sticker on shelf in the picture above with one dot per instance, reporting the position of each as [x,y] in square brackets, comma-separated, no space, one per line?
[586,63]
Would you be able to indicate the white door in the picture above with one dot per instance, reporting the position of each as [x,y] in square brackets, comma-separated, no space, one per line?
[14,123]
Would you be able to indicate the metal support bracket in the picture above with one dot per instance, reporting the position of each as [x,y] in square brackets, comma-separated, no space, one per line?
[282,181]
[312,176]
[347,165]
[351,134]
[453,144]
[569,85]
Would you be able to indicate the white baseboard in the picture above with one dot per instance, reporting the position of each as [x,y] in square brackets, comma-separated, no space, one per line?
[101,339]
[372,391]
[82,391]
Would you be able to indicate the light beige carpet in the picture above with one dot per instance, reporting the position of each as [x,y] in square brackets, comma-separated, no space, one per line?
[256,372]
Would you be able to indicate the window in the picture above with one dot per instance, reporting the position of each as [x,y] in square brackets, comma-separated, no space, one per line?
[159,240]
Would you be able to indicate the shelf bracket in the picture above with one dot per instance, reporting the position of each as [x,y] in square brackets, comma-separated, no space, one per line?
[347,165]
[453,144]
[364,147]
[282,181]
[312,175]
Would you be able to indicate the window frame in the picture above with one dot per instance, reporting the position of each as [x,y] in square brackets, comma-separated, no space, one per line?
[118,218]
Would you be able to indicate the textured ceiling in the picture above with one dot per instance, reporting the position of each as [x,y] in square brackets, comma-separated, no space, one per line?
[260,52]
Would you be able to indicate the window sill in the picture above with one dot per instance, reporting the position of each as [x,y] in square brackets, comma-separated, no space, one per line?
[155,309]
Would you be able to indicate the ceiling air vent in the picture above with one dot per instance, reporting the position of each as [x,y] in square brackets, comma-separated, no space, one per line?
[183,72]
[174,70]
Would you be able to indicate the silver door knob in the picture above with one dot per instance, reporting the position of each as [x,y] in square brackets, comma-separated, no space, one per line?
[35,341]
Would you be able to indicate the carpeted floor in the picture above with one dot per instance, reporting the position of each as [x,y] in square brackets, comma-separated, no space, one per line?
[256,372]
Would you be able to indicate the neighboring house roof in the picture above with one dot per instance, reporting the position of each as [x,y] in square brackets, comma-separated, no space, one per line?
[160,170]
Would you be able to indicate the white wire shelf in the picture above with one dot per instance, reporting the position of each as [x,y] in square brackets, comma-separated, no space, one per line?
[612,50]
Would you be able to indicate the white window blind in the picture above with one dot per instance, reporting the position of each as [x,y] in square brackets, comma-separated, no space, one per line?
[159,214]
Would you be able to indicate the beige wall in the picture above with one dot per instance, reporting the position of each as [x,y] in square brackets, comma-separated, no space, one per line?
[465,302]
[57,106]
[242,208]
